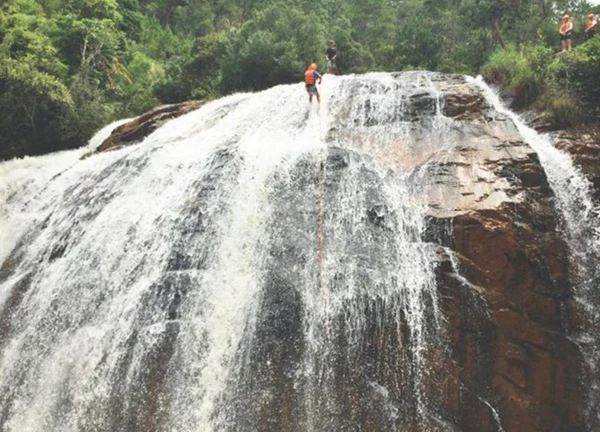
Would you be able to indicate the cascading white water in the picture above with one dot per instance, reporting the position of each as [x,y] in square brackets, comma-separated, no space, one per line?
[257,264]
[23,181]
[582,227]
[133,284]
[393,276]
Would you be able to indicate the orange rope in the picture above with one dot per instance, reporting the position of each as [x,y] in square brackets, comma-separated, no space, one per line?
[320,226]
[320,233]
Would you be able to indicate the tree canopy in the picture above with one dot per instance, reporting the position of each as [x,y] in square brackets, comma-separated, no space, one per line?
[67,67]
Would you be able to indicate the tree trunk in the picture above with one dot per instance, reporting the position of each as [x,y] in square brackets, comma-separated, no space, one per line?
[543,8]
[496,36]
[84,52]
[30,113]
[243,14]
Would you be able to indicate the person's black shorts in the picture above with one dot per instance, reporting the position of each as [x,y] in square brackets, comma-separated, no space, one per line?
[590,34]
[311,89]
[566,36]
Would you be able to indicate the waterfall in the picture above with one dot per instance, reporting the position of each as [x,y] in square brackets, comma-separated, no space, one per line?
[257,264]
[582,228]
[23,181]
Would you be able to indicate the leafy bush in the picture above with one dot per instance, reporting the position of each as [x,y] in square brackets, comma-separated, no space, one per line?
[135,86]
[93,111]
[560,106]
[32,104]
[519,71]
[564,86]
[204,71]
[578,71]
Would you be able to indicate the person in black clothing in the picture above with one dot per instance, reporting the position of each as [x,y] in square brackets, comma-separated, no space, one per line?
[332,58]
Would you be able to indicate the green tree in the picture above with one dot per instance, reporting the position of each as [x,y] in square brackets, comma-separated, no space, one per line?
[32,107]
[204,71]
[121,57]
[135,87]
[93,43]
[372,23]
[418,38]
[272,48]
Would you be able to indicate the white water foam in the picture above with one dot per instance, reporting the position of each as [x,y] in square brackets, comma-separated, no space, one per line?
[91,297]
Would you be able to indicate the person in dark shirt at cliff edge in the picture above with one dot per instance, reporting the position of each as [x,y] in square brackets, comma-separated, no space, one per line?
[332,58]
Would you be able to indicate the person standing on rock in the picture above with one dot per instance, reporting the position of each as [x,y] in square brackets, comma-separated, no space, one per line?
[566,31]
[332,58]
[591,26]
[310,79]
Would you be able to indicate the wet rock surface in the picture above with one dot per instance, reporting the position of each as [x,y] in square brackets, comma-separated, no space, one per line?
[581,142]
[584,147]
[505,358]
[139,128]
[410,278]
[494,198]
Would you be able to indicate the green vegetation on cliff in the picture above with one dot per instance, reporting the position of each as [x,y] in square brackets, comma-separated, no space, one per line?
[565,86]
[67,67]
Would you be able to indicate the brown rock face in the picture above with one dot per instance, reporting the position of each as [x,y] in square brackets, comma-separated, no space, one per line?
[581,142]
[504,280]
[142,126]
[584,148]
[506,290]
[463,104]
[511,311]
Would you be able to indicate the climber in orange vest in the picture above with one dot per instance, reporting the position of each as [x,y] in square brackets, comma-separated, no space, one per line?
[310,79]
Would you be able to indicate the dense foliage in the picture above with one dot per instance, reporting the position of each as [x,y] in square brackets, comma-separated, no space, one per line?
[67,67]
[566,86]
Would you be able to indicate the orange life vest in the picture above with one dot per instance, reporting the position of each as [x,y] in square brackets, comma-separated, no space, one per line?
[309,77]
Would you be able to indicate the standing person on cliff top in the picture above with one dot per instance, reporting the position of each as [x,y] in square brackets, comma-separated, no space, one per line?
[310,79]
[591,26]
[332,58]
[566,31]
